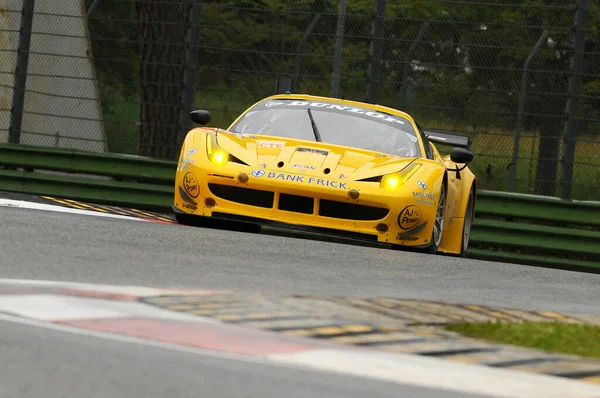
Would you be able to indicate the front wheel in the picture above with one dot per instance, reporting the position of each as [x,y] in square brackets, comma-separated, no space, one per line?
[438,226]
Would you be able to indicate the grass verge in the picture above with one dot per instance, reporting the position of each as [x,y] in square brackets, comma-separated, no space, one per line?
[576,339]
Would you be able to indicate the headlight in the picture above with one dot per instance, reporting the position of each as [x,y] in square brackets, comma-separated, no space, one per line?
[394,181]
[213,150]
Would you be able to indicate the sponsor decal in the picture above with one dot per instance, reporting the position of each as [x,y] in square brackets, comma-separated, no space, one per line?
[422,185]
[424,195]
[190,206]
[183,164]
[190,184]
[319,151]
[307,180]
[304,167]
[350,109]
[409,217]
[425,202]
[269,104]
[192,151]
[257,173]
[342,175]
[406,237]
[186,161]
[269,144]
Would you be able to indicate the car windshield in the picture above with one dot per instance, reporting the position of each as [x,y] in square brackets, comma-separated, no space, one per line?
[338,124]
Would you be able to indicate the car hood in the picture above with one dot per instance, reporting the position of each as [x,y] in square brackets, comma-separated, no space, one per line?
[309,157]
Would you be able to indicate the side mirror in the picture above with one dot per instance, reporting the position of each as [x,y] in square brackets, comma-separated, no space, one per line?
[461,155]
[200,117]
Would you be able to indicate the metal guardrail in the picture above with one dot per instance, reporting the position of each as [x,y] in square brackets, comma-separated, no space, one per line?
[526,229]
[113,179]
[536,230]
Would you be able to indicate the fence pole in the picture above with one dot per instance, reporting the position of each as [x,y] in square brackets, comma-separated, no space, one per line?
[18,100]
[375,51]
[296,75]
[521,111]
[404,85]
[570,136]
[189,74]
[339,44]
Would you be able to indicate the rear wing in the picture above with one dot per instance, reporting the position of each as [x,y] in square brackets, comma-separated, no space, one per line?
[445,138]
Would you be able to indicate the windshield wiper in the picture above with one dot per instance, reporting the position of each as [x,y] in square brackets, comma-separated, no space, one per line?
[314,126]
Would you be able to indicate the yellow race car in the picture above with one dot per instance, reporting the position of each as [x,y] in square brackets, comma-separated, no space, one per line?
[337,166]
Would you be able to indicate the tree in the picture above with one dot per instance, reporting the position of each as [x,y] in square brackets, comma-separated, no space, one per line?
[164,26]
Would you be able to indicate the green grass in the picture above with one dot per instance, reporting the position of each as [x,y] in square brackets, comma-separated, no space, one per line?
[576,339]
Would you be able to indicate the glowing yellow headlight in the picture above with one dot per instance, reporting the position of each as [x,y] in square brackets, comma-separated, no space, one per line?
[396,180]
[216,155]
[390,182]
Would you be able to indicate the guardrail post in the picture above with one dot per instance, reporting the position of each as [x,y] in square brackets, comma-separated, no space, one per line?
[16,113]
[521,111]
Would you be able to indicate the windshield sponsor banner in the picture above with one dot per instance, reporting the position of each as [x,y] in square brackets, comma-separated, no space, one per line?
[272,175]
[337,107]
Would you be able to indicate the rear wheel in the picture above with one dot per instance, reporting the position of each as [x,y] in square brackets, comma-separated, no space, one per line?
[466,235]
[438,226]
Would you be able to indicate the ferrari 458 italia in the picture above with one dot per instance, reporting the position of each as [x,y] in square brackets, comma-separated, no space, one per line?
[331,165]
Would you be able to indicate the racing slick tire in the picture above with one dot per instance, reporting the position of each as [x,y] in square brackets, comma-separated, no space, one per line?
[438,226]
[468,221]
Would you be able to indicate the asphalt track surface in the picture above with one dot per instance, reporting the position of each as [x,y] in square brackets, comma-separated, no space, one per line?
[46,245]
[38,362]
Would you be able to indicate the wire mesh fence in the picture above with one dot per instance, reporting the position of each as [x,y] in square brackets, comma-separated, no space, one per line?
[522,77]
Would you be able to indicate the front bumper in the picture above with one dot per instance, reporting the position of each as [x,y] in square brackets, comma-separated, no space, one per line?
[302,200]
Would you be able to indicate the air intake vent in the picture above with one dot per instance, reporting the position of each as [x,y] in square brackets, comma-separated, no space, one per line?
[246,196]
[351,211]
[298,204]
[372,179]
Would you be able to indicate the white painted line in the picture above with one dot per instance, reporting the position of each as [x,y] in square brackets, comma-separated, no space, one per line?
[52,307]
[440,374]
[49,307]
[40,206]
[125,289]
